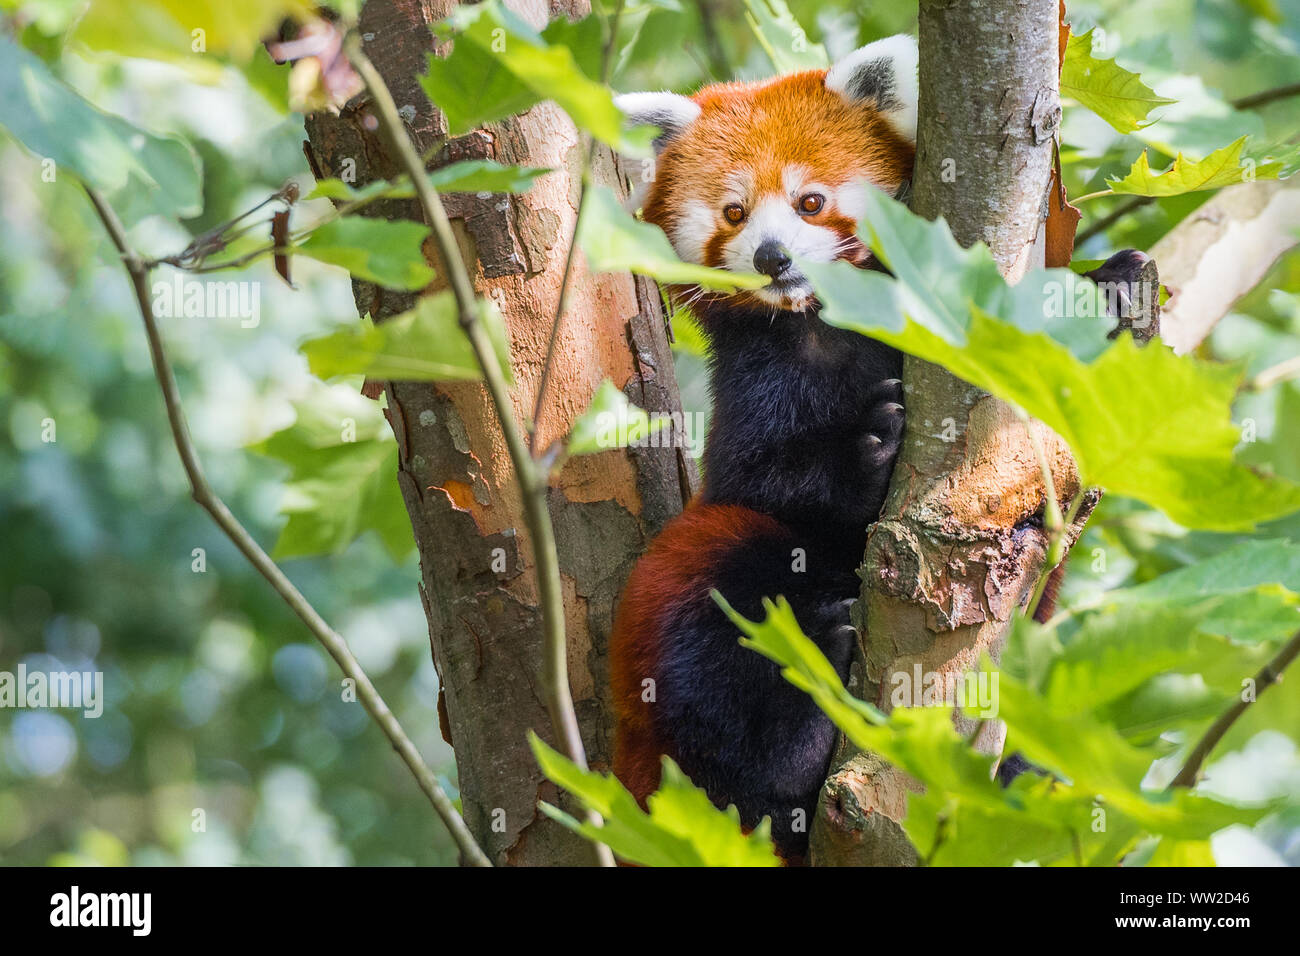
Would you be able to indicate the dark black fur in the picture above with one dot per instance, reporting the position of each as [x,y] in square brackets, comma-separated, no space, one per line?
[806,419]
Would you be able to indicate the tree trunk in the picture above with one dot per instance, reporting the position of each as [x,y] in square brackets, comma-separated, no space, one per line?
[478,585]
[944,571]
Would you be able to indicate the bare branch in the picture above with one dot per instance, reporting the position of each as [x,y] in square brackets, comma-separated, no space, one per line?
[1273,375]
[1268,675]
[1222,251]
[1131,204]
[1264,97]
[261,561]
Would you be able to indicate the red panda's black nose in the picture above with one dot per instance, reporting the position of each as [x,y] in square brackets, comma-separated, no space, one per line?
[770,259]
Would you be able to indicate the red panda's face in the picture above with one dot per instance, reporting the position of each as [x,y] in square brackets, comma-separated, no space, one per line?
[754,177]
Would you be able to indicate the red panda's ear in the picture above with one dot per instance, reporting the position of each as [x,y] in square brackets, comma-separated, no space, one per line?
[882,74]
[671,112]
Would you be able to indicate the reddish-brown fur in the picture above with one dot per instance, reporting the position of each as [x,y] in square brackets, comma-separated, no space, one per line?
[674,570]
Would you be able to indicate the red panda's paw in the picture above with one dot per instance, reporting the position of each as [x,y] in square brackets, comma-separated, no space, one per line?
[830,627]
[881,438]
[1130,286]
[884,425]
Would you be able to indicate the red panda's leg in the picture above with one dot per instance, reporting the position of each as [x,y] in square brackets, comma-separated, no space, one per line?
[684,683]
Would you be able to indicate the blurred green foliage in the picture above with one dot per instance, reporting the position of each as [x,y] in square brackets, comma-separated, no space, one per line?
[217,698]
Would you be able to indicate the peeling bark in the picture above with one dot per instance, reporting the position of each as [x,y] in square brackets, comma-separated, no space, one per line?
[945,570]
[479,591]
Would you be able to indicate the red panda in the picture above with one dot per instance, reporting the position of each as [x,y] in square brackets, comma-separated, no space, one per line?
[807,420]
[805,427]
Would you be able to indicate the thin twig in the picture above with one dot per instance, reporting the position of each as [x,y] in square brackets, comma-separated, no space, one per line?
[194,257]
[216,238]
[533,481]
[1268,675]
[1266,96]
[212,503]
[1281,372]
[1054,523]
[1131,204]
[941,825]
[562,304]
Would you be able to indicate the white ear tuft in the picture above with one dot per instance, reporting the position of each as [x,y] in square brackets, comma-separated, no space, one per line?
[671,112]
[882,74]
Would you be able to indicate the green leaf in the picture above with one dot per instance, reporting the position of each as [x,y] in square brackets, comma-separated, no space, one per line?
[1113,654]
[680,826]
[1164,656]
[466,176]
[1091,761]
[1200,122]
[425,343]
[782,38]
[1253,584]
[688,337]
[484,176]
[1097,760]
[1141,421]
[988,825]
[1223,167]
[1180,703]
[376,250]
[167,30]
[1172,852]
[1112,92]
[1118,667]
[613,240]
[332,188]
[610,421]
[137,172]
[500,66]
[343,477]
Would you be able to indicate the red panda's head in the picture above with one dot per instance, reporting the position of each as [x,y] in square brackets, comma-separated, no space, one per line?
[751,176]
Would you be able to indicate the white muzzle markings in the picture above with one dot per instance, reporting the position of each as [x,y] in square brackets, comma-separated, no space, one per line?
[775,220]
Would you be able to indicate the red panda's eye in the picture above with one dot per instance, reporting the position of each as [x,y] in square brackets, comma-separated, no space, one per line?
[811,204]
[734,213]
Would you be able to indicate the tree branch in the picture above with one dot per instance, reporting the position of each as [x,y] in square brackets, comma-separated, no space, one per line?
[1268,675]
[533,477]
[1222,251]
[1273,375]
[1264,97]
[1129,205]
[261,561]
